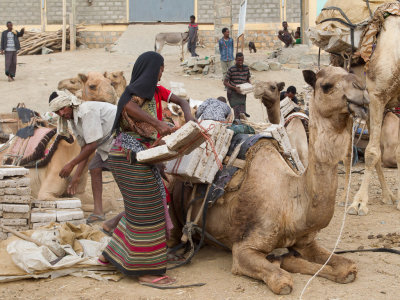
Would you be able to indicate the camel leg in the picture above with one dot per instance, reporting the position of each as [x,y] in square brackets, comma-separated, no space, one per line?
[339,269]
[398,170]
[347,167]
[387,195]
[372,157]
[252,263]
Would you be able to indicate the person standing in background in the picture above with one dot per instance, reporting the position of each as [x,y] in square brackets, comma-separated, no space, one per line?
[10,47]
[226,51]
[193,31]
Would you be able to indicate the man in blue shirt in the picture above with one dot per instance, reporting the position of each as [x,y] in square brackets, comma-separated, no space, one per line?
[226,51]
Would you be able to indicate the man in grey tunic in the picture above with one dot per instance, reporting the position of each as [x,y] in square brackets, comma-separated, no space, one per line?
[10,47]
[193,28]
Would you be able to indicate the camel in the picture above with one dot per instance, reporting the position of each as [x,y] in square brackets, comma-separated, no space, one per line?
[384,91]
[274,207]
[118,81]
[269,93]
[390,140]
[172,39]
[91,87]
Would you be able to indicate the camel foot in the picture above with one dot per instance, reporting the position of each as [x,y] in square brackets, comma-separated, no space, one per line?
[388,199]
[363,210]
[281,285]
[353,210]
[350,275]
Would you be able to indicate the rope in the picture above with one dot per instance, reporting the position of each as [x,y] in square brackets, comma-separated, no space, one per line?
[343,220]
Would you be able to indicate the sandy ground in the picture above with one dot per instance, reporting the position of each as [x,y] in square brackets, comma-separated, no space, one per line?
[378,273]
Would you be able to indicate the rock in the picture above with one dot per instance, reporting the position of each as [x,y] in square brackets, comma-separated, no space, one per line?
[46,51]
[371,236]
[203,62]
[306,62]
[206,70]
[260,66]
[275,66]
[191,62]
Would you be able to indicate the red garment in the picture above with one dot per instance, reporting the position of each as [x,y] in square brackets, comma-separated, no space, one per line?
[161,94]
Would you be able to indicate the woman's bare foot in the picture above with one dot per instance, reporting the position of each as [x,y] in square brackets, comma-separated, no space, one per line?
[10,79]
[160,280]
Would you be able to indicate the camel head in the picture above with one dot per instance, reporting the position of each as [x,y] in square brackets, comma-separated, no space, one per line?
[268,92]
[338,94]
[97,88]
[118,81]
[71,84]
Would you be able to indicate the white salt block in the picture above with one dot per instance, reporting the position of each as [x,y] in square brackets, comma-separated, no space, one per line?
[77,222]
[12,171]
[38,225]
[14,222]
[69,215]
[15,182]
[156,154]
[16,208]
[20,191]
[7,215]
[15,199]
[190,133]
[69,203]
[43,204]
[184,165]
[43,217]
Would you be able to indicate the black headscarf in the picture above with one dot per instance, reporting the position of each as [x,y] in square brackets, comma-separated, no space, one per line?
[143,83]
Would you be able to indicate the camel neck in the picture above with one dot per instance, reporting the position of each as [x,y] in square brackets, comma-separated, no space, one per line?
[327,147]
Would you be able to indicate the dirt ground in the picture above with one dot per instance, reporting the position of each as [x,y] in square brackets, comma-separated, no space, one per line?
[378,273]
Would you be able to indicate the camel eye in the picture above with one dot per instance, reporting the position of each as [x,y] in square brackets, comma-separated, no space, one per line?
[92,87]
[273,88]
[326,87]
[115,76]
[72,81]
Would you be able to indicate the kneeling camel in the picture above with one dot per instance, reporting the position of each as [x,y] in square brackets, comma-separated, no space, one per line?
[275,207]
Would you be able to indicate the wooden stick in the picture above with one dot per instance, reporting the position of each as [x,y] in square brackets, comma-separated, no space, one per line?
[72,26]
[64,27]
[58,252]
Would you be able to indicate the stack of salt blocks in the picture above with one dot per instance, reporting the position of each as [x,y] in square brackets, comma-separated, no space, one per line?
[15,199]
[200,166]
[60,211]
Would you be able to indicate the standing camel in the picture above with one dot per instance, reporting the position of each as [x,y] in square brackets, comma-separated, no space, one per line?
[274,207]
[382,79]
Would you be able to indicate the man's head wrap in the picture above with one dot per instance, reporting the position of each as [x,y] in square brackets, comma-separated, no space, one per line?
[64,99]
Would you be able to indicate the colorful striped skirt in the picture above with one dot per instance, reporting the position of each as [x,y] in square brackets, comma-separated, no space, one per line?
[138,245]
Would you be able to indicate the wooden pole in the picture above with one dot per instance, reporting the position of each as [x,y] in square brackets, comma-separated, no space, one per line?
[64,27]
[72,26]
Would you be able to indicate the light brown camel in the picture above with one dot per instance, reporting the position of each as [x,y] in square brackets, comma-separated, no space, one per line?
[390,140]
[118,81]
[91,87]
[382,80]
[276,208]
[269,93]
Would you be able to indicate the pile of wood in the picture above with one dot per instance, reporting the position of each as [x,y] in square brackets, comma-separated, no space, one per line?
[33,42]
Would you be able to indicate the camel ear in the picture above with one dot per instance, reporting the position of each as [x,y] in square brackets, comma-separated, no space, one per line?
[82,77]
[105,74]
[121,73]
[281,85]
[310,77]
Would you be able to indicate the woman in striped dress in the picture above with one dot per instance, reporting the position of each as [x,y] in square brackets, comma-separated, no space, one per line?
[138,245]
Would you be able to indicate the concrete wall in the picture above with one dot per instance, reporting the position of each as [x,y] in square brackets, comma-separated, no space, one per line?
[103,11]
[99,39]
[258,11]
[20,12]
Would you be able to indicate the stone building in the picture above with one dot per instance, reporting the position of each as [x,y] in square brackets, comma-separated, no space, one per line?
[107,19]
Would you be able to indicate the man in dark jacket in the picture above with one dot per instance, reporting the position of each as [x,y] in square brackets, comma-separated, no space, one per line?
[193,31]
[10,47]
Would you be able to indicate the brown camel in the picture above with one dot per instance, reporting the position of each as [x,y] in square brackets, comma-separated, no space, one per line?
[269,93]
[276,208]
[390,140]
[118,81]
[384,91]
[91,87]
